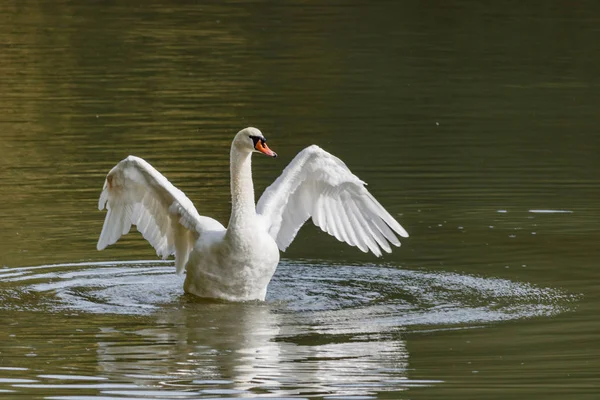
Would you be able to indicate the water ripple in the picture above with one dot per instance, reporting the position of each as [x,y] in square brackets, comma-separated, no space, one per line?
[325,329]
[334,295]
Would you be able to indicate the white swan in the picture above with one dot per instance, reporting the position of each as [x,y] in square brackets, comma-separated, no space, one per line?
[237,263]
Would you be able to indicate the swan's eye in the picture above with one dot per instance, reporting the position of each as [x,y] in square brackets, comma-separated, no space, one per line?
[256,139]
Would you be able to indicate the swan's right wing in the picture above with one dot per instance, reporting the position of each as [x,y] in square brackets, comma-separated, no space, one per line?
[319,185]
[135,193]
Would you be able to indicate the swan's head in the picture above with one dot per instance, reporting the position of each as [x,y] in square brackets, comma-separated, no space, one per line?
[252,140]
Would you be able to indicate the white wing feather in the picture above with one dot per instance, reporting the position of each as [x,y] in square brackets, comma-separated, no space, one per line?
[319,185]
[135,193]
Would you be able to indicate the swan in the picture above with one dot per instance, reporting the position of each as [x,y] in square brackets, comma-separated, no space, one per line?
[236,263]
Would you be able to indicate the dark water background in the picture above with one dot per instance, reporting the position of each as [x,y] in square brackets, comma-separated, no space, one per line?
[475,124]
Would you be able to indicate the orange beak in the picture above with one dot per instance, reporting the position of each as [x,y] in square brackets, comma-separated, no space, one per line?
[263,148]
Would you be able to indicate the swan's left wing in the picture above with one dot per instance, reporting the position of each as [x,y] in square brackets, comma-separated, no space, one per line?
[319,185]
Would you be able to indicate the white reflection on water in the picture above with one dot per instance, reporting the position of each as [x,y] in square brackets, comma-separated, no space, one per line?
[250,348]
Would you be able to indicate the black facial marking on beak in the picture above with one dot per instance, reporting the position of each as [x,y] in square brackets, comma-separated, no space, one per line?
[260,145]
[257,139]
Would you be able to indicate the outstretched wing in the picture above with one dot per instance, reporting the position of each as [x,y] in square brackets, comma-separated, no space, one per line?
[319,185]
[135,193]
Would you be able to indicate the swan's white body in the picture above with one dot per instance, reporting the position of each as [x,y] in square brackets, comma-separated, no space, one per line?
[237,263]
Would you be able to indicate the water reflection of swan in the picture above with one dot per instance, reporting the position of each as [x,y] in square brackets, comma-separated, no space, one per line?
[237,263]
[251,348]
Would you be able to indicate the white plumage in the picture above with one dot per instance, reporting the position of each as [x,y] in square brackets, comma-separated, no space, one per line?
[237,263]
[319,185]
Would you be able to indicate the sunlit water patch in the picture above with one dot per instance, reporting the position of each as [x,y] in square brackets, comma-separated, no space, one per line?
[385,295]
[542,211]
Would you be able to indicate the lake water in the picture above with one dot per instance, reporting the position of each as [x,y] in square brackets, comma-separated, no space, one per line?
[475,125]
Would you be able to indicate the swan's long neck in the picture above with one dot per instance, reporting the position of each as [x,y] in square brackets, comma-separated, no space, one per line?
[243,209]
